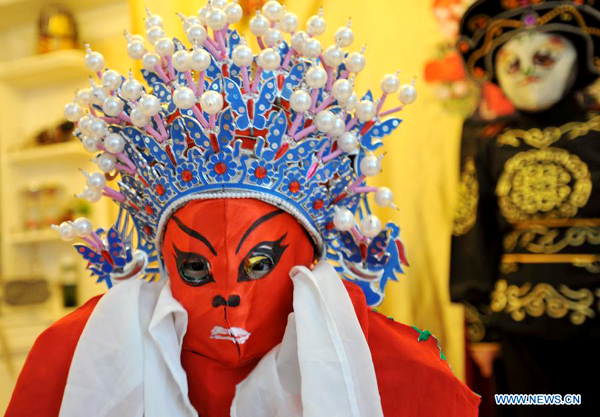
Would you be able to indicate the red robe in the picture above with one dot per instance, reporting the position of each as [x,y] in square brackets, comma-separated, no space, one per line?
[414,380]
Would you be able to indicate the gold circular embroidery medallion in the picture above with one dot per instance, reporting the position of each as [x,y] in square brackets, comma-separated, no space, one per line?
[543,183]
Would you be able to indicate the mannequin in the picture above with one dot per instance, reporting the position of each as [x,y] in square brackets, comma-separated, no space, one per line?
[523,248]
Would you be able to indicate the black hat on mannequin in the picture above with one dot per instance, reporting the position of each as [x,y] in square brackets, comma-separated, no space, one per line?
[489,24]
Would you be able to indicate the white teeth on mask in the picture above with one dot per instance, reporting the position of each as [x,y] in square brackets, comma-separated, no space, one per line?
[234,334]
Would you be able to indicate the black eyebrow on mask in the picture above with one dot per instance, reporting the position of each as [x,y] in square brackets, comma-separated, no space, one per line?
[195,235]
[257,223]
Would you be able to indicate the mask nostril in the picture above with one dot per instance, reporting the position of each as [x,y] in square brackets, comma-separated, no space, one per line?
[234,301]
[218,301]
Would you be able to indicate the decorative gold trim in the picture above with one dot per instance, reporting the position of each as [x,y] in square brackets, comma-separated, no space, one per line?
[543,299]
[465,213]
[540,239]
[543,183]
[562,258]
[557,223]
[538,138]
[475,327]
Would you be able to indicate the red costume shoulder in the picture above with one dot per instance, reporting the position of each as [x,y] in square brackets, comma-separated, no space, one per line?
[413,376]
[42,381]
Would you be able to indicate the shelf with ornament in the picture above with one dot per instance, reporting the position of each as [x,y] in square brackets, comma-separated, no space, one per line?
[15,13]
[44,69]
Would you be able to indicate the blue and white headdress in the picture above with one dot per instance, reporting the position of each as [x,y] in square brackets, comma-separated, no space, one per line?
[217,121]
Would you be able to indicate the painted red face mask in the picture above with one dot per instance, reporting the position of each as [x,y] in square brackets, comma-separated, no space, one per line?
[228,261]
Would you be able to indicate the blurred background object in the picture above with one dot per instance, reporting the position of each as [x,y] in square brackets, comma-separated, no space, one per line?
[41,65]
[57,29]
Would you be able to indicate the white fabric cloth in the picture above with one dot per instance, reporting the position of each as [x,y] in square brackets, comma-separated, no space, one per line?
[127,361]
[323,366]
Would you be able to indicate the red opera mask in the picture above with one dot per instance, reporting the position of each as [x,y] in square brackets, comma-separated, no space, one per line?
[228,261]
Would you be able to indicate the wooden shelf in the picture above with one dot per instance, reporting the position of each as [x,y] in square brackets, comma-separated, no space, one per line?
[44,69]
[59,151]
[35,236]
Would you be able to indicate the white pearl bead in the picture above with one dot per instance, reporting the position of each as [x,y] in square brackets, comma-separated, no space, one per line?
[131,89]
[370,165]
[273,37]
[242,56]
[114,143]
[289,22]
[182,60]
[137,117]
[98,95]
[184,98]
[269,59]
[73,112]
[211,102]
[196,34]
[150,61]
[112,106]
[355,62]
[66,231]
[259,25]
[343,219]
[154,33]
[338,127]
[384,197]
[316,77]
[111,79]
[298,40]
[234,12]
[216,19]
[219,3]
[350,104]
[96,181]
[84,97]
[106,162]
[344,37]
[408,94]
[153,20]
[370,226]
[189,21]
[300,101]
[164,46]
[348,142]
[333,56]
[315,25]
[83,227]
[98,128]
[325,121]
[342,89]
[90,194]
[136,50]
[312,48]
[365,110]
[90,144]
[149,105]
[273,10]
[84,124]
[200,60]
[202,12]
[390,83]
[94,61]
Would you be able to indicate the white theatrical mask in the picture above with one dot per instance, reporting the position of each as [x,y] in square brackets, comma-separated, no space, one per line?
[536,69]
